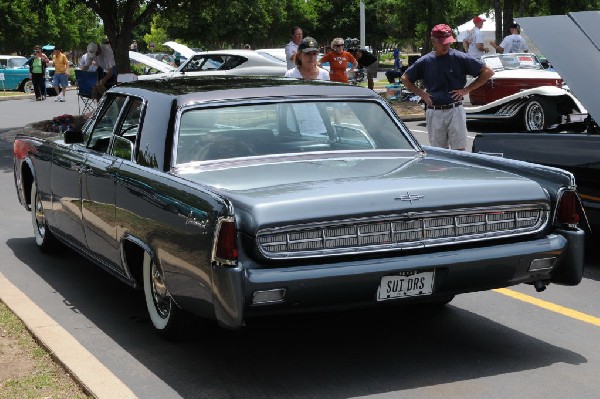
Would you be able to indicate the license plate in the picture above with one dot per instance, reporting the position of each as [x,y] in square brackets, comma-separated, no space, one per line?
[406,284]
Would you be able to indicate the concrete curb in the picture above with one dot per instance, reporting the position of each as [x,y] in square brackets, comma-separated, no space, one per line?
[95,378]
[16,97]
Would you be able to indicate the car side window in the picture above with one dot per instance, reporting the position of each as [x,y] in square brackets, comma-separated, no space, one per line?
[232,61]
[204,63]
[124,142]
[102,131]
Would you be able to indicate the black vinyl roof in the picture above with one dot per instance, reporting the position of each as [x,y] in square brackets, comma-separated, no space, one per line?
[231,87]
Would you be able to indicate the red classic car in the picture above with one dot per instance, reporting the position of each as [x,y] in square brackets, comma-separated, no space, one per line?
[523,91]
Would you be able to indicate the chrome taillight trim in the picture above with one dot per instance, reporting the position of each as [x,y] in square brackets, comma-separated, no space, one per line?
[561,193]
[214,258]
[402,231]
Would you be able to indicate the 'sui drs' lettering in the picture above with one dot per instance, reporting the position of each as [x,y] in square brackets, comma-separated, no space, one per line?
[414,283]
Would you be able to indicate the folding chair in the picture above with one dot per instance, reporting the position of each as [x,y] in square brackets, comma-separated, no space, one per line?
[86,81]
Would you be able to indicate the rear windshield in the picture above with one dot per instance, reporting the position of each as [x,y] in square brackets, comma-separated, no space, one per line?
[295,127]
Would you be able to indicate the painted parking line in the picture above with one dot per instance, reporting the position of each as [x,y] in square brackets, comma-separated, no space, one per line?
[574,314]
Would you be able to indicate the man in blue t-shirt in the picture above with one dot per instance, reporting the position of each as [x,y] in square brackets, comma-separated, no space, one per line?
[444,73]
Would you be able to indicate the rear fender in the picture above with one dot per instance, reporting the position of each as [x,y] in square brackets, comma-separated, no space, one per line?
[24,172]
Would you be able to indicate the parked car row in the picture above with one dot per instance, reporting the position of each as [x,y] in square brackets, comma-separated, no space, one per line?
[236,197]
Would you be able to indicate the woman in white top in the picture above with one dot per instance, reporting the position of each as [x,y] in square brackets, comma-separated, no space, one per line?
[306,62]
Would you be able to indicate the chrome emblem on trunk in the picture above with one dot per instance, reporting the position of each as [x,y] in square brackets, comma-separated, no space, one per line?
[409,197]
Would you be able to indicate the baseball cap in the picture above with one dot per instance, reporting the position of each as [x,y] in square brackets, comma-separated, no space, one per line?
[91,49]
[515,25]
[478,19]
[443,33]
[307,45]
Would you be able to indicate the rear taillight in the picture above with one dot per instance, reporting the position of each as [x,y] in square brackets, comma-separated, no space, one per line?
[225,249]
[568,211]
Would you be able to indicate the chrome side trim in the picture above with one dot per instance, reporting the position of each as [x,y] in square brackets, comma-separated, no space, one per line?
[413,230]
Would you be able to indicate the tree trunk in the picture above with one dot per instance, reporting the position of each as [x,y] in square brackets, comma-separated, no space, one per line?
[507,17]
[498,17]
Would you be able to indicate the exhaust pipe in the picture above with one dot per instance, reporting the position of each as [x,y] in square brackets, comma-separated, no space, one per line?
[539,285]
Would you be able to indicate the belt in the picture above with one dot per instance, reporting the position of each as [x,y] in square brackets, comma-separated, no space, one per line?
[445,106]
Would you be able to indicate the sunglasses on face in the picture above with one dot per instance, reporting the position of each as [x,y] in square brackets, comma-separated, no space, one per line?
[338,45]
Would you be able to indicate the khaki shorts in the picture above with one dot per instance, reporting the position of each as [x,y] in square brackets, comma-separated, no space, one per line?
[447,128]
[372,70]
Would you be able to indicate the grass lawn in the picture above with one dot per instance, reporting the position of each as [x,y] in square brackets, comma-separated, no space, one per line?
[26,369]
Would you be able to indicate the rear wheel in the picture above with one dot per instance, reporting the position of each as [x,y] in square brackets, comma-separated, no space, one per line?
[44,238]
[166,317]
[539,114]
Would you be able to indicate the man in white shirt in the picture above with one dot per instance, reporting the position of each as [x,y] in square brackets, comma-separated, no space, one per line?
[473,44]
[104,58]
[513,43]
[83,62]
[292,47]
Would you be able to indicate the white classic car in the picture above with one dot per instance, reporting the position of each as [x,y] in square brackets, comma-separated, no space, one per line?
[218,62]
[523,91]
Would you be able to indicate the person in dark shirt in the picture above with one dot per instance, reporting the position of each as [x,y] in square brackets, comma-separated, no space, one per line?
[444,73]
[369,62]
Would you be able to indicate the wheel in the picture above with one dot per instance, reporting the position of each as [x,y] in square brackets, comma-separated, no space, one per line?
[539,113]
[44,238]
[28,87]
[166,317]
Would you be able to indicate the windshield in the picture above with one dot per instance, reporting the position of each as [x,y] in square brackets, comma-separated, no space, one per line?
[512,61]
[291,127]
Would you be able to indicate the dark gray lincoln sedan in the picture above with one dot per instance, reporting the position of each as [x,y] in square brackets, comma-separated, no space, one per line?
[237,197]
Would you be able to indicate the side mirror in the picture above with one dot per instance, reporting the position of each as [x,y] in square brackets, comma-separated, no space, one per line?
[73,136]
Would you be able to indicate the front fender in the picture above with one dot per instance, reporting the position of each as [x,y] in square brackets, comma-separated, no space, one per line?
[517,100]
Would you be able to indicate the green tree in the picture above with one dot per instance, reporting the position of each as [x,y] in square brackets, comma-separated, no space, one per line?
[119,20]
[25,24]
[260,23]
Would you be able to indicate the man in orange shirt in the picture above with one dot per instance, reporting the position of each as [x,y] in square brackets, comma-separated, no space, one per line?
[61,72]
[338,61]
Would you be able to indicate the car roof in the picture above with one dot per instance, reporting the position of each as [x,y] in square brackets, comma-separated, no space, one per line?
[7,57]
[575,56]
[210,88]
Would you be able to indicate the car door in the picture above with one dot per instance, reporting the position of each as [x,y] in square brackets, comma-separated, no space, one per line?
[98,184]
[65,176]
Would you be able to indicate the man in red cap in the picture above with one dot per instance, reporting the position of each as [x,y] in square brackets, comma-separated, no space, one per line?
[473,43]
[444,73]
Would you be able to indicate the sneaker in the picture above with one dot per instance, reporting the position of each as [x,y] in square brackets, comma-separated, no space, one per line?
[58,99]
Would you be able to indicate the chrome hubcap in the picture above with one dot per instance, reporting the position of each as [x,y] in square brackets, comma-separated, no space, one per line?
[535,117]
[40,217]
[160,294]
